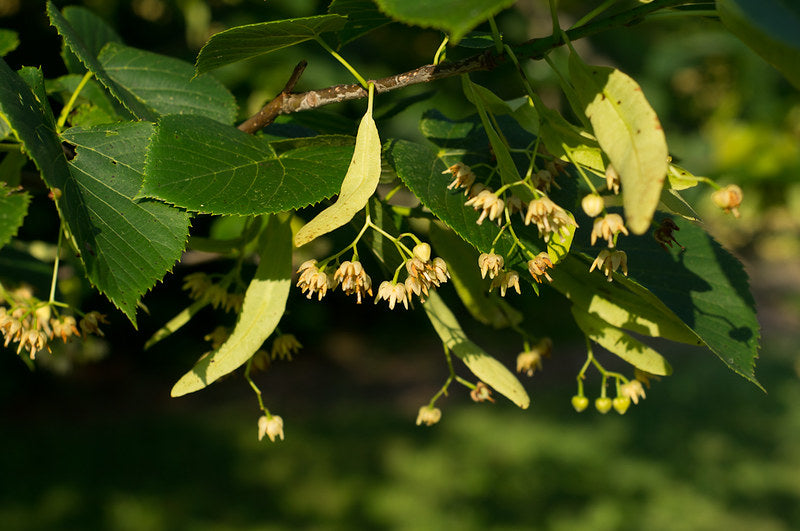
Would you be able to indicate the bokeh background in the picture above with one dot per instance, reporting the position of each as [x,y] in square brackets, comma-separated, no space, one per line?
[93,441]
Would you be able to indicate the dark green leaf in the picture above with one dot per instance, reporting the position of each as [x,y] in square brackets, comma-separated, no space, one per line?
[770,27]
[9,40]
[205,166]
[166,84]
[93,32]
[126,245]
[362,18]
[244,42]
[13,207]
[92,94]
[74,41]
[456,17]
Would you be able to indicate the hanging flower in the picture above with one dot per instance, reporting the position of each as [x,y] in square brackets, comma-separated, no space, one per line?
[607,227]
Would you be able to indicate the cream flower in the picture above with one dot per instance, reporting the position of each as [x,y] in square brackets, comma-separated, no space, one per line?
[271,426]
[353,279]
[633,390]
[428,415]
[728,198]
[609,261]
[607,227]
[548,217]
[491,206]
[612,179]
[394,293]
[490,264]
[506,281]
[539,265]
[463,177]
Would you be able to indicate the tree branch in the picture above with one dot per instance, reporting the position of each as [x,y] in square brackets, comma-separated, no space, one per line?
[286,103]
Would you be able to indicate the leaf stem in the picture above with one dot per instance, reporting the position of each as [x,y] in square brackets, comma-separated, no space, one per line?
[62,118]
[593,13]
[342,60]
[255,388]
[54,280]
[441,52]
[498,39]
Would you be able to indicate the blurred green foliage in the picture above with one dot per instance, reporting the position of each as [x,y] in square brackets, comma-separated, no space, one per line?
[705,451]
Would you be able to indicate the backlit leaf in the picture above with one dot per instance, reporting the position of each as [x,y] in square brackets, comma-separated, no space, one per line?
[264,305]
[485,367]
[358,186]
[630,134]
[13,207]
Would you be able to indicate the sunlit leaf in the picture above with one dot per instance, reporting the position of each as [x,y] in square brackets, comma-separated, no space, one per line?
[358,186]
[205,166]
[630,134]
[9,40]
[264,305]
[75,43]
[245,42]
[167,85]
[623,345]
[456,17]
[485,367]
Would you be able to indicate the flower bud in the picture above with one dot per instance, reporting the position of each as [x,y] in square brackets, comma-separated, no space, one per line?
[592,204]
[422,251]
[580,403]
[603,404]
[621,404]
[728,198]
[428,415]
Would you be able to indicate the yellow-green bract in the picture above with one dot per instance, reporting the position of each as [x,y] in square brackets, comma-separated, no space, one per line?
[358,186]
[485,367]
[264,304]
[630,134]
[623,345]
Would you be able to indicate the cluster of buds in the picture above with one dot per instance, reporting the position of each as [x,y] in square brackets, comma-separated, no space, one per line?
[549,218]
[314,280]
[728,198]
[424,273]
[462,177]
[32,324]
[489,203]
[531,359]
[609,261]
[353,279]
[201,287]
[539,265]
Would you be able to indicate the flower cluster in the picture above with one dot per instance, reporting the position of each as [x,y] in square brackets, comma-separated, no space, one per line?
[353,279]
[201,287]
[284,346]
[609,261]
[489,203]
[314,280]
[462,177]
[549,218]
[32,323]
[538,266]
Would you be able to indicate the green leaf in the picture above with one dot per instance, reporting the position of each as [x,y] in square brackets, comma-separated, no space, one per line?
[706,287]
[13,207]
[358,185]
[11,166]
[9,40]
[770,27]
[205,166]
[568,143]
[462,263]
[628,130]
[485,367]
[125,245]
[264,304]
[675,204]
[74,41]
[245,42]
[362,18]
[166,84]
[34,126]
[92,31]
[92,94]
[623,345]
[456,17]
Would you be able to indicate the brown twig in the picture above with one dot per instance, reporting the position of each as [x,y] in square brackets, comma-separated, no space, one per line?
[287,103]
[271,110]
